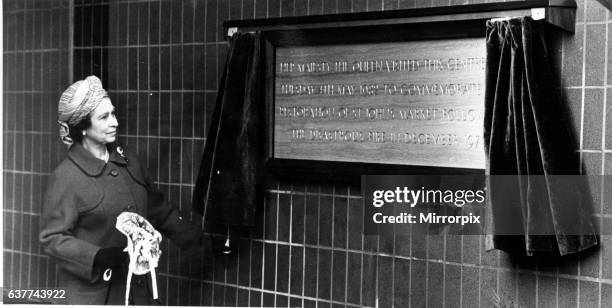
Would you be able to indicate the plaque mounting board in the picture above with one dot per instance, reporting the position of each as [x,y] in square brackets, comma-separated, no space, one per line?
[417,102]
[375,99]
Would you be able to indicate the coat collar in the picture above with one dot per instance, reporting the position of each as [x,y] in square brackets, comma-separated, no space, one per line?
[91,165]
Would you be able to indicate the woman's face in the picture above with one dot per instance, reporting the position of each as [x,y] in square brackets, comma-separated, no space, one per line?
[104,124]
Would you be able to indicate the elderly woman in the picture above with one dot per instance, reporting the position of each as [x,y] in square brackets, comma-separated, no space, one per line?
[87,191]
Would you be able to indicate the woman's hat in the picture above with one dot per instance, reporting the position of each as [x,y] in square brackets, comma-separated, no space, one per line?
[77,102]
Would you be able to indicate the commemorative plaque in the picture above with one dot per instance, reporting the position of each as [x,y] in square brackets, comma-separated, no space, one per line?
[402,103]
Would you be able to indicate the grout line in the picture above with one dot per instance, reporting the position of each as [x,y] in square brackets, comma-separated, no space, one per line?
[29,279]
[444,246]
[13,251]
[170,91]
[605,98]
[53,8]
[556,276]
[255,13]
[216,77]
[411,264]
[16,92]
[41,50]
[182,97]
[361,253]
[173,184]
[171,101]
[212,289]
[276,245]
[497,271]
[585,87]
[56,273]
[318,241]
[237,275]
[377,278]
[158,98]
[516,287]
[290,241]
[90,37]
[263,248]
[393,268]
[180,158]
[537,286]
[164,137]
[427,273]
[250,270]
[346,244]
[304,249]
[25,173]
[21,248]
[332,243]
[145,163]
[241,9]
[593,151]
[138,78]
[299,193]
[603,168]
[588,23]
[583,84]
[102,3]
[460,272]
[16,212]
[127,60]
[481,240]
[14,188]
[225,266]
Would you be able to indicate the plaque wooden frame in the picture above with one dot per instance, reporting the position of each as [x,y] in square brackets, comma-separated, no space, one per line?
[365,34]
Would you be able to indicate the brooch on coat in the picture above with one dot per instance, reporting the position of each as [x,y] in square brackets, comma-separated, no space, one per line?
[120,152]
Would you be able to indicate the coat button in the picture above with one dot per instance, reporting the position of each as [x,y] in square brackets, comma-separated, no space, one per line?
[139,283]
[114,172]
[130,207]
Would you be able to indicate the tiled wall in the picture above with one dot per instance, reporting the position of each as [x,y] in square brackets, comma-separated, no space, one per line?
[36,62]
[160,61]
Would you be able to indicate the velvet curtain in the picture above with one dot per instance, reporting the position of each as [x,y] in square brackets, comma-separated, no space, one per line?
[226,186]
[526,133]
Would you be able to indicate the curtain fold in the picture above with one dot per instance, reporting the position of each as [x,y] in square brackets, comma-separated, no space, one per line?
[526,132]
[226,185]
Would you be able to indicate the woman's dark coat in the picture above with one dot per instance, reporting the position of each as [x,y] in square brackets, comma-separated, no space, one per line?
[83,198]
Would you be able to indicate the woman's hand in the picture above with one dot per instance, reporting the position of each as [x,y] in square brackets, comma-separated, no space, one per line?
[110,257]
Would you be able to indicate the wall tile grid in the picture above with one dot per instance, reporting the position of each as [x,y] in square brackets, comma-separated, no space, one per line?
[35,41]
[161,60]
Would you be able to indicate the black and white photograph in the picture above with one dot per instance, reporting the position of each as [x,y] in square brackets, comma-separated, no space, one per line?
[306,153]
